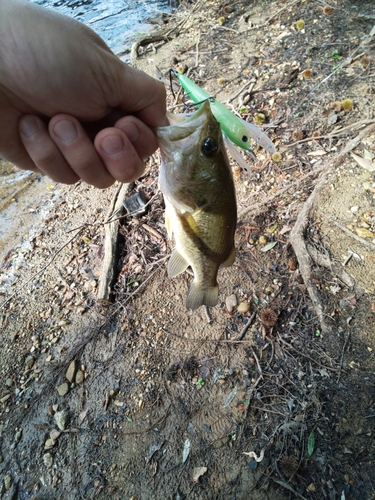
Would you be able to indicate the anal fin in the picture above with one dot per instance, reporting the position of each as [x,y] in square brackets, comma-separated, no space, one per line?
[176,264]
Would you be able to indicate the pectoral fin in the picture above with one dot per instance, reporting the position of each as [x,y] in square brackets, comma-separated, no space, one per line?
[177,264]
[230,259]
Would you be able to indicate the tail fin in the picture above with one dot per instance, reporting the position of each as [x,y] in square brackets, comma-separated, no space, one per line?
[198,296]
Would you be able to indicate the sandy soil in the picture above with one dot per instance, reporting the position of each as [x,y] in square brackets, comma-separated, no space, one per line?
[142,399]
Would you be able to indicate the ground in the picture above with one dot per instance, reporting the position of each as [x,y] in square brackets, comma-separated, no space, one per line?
[160,402]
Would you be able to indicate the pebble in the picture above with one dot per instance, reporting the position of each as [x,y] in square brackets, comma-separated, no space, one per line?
[63,389]
[243,307]
[354,209]
[54,434]
[29,361]
[9,382]
[62,419]
[48,460]
[50,443]
[231,302]
[80,377]
[8,481]
[71,371]
[5,398]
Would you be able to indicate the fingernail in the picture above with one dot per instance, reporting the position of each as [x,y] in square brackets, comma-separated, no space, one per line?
[112,145]
[29,126]
[66,131]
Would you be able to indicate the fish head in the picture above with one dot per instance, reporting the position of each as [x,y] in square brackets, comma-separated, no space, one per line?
[190,149]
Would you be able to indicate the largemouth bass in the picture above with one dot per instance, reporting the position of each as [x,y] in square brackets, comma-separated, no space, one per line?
[200,201]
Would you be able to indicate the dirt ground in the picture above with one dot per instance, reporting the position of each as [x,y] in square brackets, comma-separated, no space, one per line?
[271,398]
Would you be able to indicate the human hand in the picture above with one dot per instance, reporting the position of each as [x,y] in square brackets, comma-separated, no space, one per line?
[69,108]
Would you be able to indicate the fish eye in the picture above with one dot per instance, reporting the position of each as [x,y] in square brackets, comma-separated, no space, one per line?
[244,138]
[209,147]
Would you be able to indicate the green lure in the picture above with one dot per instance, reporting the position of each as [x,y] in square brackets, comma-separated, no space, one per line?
[238,131]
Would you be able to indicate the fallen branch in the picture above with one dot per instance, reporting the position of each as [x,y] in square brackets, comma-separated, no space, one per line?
[108,274]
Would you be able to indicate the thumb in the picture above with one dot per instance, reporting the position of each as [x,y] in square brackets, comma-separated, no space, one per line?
[141,95]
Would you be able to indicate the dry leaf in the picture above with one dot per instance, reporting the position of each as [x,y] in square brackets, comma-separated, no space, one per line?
[362,162]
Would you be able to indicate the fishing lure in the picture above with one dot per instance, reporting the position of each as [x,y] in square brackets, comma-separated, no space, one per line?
[237,130]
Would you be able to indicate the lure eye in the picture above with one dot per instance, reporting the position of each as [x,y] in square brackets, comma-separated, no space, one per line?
[209,147]
[244,138]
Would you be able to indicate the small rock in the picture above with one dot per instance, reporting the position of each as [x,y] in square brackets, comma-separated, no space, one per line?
[311,488]
[8,481]
[54,434]
[80,377]
[221,442]
[354,209]
[243,307]
[262,240]
[63,389]
[231,302]
[17,435]
[50,443]
[9,382]
[62,419]
[48,460]
[5,398]
[29,362]
[71,371]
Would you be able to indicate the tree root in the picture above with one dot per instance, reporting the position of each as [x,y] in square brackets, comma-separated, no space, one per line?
[304,259]
[297,240]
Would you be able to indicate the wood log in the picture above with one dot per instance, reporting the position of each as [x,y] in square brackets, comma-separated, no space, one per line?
[111,250]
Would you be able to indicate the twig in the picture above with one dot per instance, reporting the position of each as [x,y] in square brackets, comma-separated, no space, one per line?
[197,50]
[220,341]
[285,484]
[251,391]
[267,200]
[258,364]
[350,233]
[325,261]
[43,268]
[277,13]
[241,335]
[334,133]
[308,357]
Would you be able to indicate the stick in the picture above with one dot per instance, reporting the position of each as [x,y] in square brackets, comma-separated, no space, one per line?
[350,233]
[308,357]
[255,207]
[241,335]
[108,274]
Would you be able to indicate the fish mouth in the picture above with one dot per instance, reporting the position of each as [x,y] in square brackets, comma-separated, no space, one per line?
[184,131]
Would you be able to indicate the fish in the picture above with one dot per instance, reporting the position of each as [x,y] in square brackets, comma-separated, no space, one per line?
[200,201]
